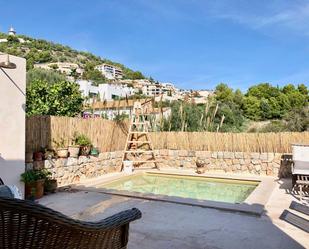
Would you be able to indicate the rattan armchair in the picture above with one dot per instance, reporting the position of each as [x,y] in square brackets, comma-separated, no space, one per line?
[25,225]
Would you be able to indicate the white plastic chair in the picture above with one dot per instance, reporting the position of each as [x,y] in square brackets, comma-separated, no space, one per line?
[300,166]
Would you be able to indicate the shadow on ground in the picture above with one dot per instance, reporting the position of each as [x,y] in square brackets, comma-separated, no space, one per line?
[168,225]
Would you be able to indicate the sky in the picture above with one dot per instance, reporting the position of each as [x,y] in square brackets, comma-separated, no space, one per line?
[195,44]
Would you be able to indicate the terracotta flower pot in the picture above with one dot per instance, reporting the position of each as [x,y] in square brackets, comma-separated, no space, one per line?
[73,151]
[85,150]
[62,152]
[50,186]
[35,189]
[38,156]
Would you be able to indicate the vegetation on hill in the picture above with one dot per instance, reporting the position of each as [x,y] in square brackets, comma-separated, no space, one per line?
[230,111]
[48,76]
[42,51]
[49,93]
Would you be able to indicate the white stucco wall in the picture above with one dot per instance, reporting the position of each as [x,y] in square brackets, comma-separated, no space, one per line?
[12,122]
[108,90]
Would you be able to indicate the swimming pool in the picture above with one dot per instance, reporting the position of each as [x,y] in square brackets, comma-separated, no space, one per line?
[194,187]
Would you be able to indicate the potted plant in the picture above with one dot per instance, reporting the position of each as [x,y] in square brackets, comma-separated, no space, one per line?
[38,156]
[61,150]
[94,151]
[74,147]
[49,154]
[85,144]
[50,185]
[34,182]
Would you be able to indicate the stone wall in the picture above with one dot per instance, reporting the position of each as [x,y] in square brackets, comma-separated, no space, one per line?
[73,170]
[271,164]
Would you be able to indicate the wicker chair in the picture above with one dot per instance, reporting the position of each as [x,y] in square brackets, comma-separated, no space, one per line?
[25,225]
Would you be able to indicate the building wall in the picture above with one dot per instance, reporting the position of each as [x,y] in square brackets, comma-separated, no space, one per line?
[12,122]
[107,91]
[112,113]
[109,71]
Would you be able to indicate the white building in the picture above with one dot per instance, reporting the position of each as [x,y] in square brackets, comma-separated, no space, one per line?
[104,91]
[12,32]
[110,72]
[205,93]
[110,109]
[152,90]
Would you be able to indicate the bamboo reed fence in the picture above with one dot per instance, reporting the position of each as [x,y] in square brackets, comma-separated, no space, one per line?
[242,142]
[108,135]
[42,131]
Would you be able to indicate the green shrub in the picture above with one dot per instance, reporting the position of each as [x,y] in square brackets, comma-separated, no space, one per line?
[82,140]
[34,175]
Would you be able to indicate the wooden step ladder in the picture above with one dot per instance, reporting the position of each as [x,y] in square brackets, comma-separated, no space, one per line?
[138,147]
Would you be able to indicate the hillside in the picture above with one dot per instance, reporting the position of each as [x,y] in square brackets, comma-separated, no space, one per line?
[42,51]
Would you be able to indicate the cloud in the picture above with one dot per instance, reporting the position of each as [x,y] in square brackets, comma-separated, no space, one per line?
[279,16]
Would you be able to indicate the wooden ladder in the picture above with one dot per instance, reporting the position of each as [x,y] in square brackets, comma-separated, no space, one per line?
[138,138]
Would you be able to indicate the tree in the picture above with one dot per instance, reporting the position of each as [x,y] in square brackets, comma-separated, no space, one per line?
[133,75]
[234,118]
[265,108]
[238,98]
[263,90]
[74,73]
[48,76]
[298,119]
[12,39]
[273,102]
[288,89]
[60,99]
[223,93]
[297,100]
[93,74]
[43,57]
[303,89]
[252,108]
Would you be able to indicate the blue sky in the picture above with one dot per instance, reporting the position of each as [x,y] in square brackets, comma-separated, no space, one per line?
[194,44]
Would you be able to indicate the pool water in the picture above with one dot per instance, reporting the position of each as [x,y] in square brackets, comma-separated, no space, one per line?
[201,188]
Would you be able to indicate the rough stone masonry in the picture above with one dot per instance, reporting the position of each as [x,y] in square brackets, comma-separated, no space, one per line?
[73,170]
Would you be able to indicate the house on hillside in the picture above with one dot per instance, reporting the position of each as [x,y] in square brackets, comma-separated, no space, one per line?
[110,72]
[104,91]
[110,109]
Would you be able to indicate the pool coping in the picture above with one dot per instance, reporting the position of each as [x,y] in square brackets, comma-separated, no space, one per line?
[253,205]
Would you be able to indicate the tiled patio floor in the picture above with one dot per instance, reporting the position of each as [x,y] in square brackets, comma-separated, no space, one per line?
[167,225]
